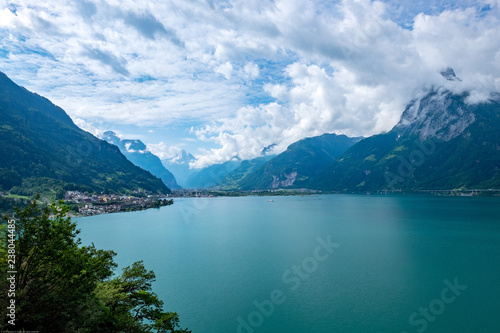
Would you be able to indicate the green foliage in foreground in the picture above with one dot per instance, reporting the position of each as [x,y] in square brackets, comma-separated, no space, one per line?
[62,286]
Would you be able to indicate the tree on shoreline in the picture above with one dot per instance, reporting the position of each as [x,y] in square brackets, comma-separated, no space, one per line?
[62,286]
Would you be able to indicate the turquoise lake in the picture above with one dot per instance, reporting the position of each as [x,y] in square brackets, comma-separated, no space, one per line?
[328,263]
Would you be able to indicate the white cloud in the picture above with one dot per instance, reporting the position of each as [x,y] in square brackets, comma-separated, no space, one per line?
[252,70]
[163,151]
[277,91]
[88,127]
[362,87]
[248,74]
[225,69]
[7,18]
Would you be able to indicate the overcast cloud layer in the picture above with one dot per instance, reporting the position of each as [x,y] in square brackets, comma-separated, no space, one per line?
[247,74]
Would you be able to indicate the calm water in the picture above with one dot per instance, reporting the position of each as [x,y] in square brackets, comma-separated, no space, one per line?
[335,263]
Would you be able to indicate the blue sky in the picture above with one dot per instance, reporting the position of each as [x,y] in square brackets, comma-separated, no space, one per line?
[226,78]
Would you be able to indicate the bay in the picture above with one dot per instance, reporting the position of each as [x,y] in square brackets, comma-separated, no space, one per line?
[329,263]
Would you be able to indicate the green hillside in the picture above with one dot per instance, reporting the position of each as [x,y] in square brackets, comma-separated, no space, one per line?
[233,180]
[441,143]
[211,175]
[302,161]
[44,151]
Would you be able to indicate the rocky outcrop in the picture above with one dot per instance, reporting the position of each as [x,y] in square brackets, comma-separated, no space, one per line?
[439,115]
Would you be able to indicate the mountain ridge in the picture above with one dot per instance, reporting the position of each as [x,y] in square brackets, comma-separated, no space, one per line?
[211,175]
[136,151]
[179,166]
[44,151]
[299,162]
[441,142]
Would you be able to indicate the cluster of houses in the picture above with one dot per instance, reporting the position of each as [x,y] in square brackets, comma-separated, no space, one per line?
[94,204]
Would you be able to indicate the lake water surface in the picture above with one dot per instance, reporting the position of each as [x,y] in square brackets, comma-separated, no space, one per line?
[330,263]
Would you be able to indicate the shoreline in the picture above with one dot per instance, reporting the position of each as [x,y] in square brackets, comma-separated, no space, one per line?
[96,205]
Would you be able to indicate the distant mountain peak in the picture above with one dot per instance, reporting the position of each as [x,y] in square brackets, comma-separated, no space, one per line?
[111,137]
[131,146]
[135,146]
[179,166]
[339,132]
[183,157]
[449,74]
[136,151]
[441,143]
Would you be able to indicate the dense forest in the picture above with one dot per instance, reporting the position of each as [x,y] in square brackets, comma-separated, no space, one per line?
[61,286]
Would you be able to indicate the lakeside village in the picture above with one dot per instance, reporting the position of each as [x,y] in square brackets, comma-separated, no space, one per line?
[95,204]
[83,204]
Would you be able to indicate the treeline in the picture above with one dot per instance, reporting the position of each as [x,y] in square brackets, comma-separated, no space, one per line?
[55,189]
[62,286]
[7,204]
[48,187]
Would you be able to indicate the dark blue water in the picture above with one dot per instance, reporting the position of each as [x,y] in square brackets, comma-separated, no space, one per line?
[336,263]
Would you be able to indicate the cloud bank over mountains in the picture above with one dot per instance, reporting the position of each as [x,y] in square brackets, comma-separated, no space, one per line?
[246,75]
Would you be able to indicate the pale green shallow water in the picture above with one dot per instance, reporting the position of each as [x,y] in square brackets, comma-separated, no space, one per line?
[215,257]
